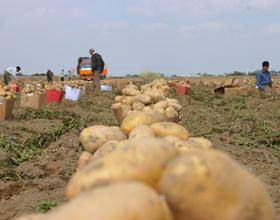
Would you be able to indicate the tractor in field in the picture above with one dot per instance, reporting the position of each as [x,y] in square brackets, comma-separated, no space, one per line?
[84,69]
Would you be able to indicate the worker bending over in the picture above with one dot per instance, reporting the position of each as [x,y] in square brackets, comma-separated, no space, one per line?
[10,74]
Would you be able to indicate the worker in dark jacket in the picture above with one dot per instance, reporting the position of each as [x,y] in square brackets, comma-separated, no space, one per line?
[264,80]
[97,66]
[50,76]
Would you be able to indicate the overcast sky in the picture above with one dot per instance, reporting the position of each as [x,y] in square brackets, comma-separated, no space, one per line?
[169,36]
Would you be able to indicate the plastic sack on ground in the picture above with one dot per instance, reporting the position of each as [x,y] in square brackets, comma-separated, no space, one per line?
[106,88]
[72,94]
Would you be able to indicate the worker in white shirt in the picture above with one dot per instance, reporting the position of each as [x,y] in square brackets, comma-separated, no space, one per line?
[10,74]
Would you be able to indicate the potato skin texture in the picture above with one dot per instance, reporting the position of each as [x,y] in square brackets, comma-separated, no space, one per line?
[145,99]
[84,159]
[163,129]
[94,137]
[142,131]
[138,118]
[207,184]
[198,143]
[137,160]
[138,106]
[106,149]
[120,201]
[121,110]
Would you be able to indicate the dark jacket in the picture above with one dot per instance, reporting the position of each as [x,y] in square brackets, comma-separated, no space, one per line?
[97,63]
[50,76]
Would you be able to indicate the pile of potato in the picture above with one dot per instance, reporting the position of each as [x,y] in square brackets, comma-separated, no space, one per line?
[78,84]
[151,169]
[6,93]
[58,86]
[33,88]
[181,82]
[276,84]
[152,96]
[121,83]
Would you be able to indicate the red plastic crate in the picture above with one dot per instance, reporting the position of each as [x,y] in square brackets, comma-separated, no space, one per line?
[54,96]
[172,85]
[14,88]
[182,90]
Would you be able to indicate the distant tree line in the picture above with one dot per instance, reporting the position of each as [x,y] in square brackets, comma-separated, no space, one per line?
[147,74]
[238,73]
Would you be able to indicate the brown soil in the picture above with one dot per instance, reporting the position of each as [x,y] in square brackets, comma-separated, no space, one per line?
[44,176]
[246,128]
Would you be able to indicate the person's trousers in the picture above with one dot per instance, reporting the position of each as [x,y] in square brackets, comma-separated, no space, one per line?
[96,81]
[266,92]
[7,78]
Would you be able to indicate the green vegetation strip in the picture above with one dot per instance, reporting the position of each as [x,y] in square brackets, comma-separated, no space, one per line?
[45,207]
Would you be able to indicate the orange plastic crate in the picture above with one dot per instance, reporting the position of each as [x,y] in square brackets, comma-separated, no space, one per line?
[182,90]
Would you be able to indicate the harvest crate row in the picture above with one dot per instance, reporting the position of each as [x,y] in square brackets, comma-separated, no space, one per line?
[36,95]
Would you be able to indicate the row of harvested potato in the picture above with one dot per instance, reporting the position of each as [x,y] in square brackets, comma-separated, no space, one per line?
[152,96]
[151,169]
[147,175]
[33,88]
[6,93]
[78,84]
[38,88]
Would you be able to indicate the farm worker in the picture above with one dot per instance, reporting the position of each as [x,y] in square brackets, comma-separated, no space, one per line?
[264,80]
[62,75]
[50,76]
[97,66]
[10,74]
[70,74]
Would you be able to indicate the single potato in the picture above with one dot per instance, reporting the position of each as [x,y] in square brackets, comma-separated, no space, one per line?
[135,119]
[203,185]
[94,137]
[163,129]
[140,160]
[120,201]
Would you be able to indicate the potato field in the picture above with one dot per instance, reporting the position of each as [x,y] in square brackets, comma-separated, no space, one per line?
[142,151]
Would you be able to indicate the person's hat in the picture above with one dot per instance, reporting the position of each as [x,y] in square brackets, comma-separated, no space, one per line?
[91,50]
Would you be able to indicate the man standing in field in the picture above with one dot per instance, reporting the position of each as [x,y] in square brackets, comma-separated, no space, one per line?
[62,75]
[97,66]
[264,80]
[10,74]
[50,76]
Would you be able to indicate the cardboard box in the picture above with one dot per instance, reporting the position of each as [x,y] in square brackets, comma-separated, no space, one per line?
[6,109]
[219,90]
[35,101]
[276,91]
[228,82]
[237,91]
